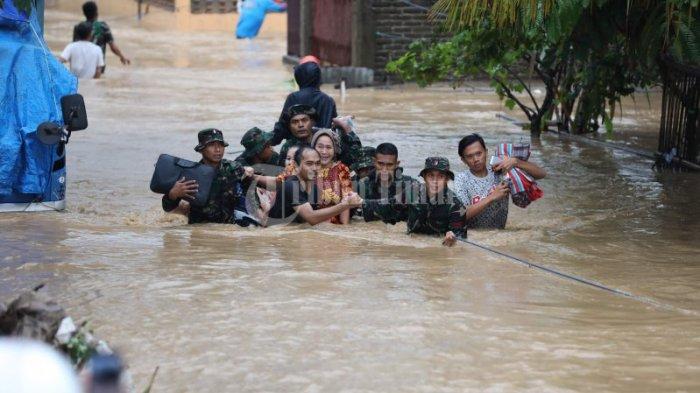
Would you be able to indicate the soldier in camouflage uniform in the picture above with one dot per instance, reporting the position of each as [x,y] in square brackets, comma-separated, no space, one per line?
[365,165]
[301,120]
[227,190]
[257,148]
[437,211]
[386,191]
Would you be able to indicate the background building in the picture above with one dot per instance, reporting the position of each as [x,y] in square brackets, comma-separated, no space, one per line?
[356,33]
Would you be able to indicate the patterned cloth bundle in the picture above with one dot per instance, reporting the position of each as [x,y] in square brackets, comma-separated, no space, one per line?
[523,188]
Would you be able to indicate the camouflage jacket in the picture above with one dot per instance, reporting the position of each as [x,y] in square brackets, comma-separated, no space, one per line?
[226,195]
[437,217]
[351,148]
[246,161]
[389,205]
[350,145]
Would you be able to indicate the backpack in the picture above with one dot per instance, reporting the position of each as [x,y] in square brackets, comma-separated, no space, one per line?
[170,169]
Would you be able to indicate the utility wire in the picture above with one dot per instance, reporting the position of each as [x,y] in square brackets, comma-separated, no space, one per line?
[414,5]
[420,7]
[393,36]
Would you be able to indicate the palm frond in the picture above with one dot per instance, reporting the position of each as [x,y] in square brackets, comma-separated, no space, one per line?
[687,45]
[502,13]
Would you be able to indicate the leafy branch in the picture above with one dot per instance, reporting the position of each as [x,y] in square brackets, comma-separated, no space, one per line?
[587,53]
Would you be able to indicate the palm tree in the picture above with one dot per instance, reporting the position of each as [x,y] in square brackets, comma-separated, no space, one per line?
[666,26]
[588,54]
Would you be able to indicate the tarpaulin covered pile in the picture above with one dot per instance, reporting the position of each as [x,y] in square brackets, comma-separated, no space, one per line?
[32,83]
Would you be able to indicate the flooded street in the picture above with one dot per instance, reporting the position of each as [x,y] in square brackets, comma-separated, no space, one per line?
[365,307]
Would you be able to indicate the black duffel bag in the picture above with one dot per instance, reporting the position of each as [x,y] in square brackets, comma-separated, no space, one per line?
[170,169]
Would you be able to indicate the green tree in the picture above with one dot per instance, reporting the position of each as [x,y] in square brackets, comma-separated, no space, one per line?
[586,53]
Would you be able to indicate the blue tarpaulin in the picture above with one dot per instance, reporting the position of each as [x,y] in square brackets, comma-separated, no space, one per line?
[252,15]
[32,83]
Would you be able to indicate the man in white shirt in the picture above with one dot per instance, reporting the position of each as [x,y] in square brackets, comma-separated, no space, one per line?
[480,187]
[85,58]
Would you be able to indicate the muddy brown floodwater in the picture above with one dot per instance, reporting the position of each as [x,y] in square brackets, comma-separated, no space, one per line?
[364,307]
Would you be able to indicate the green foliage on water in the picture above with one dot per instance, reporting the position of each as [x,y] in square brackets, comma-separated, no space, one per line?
[79,348]
[22,5]
[587,53]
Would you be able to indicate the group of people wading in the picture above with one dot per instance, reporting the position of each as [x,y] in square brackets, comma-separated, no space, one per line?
[324,174]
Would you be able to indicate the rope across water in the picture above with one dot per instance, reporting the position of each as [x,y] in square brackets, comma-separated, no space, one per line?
[580,280]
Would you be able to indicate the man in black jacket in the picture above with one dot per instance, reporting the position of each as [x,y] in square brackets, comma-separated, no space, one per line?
[308,77]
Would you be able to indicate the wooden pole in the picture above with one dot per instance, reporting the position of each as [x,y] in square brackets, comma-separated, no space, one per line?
[305,27]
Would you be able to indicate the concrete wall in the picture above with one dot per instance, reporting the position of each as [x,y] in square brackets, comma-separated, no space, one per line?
[186,20]
[117,12]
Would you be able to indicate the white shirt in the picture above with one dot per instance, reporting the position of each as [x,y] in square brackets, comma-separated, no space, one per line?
[84,58]
[471,189]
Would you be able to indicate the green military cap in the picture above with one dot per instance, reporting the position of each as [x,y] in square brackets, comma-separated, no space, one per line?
[366,160]
[301,109]
[369,151]
[441,164]
[208,136]
[255,140]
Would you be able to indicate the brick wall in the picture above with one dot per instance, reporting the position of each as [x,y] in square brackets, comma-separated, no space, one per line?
[397,24]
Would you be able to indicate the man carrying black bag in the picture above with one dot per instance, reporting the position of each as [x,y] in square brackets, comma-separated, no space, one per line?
[227,190]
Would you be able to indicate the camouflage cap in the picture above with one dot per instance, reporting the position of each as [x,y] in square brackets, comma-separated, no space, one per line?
[441,164]
[301,109]
[255,140]
[366,160]
[369,151]
[363,162]
[208,136]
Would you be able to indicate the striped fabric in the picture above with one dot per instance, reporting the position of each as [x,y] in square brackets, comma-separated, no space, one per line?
[517,150]
[523,188]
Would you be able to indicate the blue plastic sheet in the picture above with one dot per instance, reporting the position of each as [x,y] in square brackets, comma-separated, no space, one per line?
[253,14]
[32,82]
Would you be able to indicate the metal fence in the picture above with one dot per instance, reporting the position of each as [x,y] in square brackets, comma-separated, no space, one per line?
[680,123]
[212,6]
[196,6]
[331,39]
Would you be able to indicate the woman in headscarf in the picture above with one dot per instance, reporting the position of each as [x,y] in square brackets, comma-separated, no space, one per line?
[333,179]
